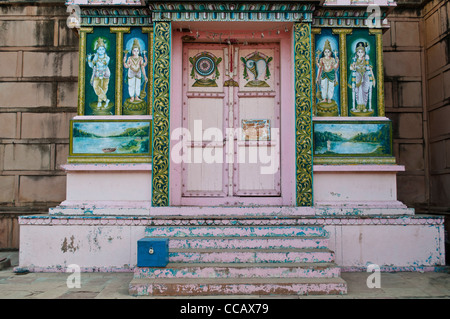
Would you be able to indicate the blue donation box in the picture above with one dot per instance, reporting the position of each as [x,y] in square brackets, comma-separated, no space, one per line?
[152,252]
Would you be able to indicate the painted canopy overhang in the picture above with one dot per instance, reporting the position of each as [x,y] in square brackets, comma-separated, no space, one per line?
[324,3]
[342,13]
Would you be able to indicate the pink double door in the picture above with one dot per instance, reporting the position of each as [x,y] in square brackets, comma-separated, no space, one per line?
[231,125]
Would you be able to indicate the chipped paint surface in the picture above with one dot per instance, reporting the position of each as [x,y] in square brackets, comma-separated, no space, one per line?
[234,231]
[108,243]
[232,271]
[69,246]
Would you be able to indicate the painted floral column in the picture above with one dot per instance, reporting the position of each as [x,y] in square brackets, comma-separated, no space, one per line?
[303,140]
[161,108]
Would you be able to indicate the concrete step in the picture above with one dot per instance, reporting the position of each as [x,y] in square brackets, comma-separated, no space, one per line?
[234,231]
[250,255]
[244,270]
[236,286]
[247,242]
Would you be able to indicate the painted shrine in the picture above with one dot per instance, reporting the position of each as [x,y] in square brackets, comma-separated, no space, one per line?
[251,135]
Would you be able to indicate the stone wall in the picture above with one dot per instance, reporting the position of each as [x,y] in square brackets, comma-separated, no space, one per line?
[404,67]
[437,51]
[38,91]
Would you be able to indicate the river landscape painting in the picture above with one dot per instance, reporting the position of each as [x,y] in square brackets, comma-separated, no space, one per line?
[110,137]
[352,138]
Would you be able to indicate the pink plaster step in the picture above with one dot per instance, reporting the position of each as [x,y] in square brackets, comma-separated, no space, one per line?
[233,231]
[244,270]
[250,255]
[248,242]
[236,286]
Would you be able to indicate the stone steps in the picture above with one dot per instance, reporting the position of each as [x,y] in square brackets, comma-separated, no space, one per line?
[236,286]
[233,231]
[250,255]
[306,242]
[240,270]
[205,259]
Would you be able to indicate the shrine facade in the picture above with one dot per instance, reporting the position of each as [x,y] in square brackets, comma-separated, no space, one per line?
[239,131]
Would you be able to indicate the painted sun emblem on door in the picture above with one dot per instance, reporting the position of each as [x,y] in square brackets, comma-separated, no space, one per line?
[257,64]
[205,70]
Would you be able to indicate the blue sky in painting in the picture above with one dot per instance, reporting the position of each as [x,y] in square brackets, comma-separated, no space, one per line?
[107,128]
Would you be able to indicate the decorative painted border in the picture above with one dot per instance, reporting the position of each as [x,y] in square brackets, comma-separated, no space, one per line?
[303,114]
[149,30]
[343,67]
[346,17]
[115,16]
[107,2]
[355,160]
[82,70]
[119,65]
[161,112]
[213,11]
[380,73]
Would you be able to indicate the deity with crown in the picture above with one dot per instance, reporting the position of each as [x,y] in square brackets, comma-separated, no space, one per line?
[101,74]
[327,80]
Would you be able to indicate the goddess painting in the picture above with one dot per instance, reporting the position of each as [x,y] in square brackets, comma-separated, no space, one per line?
[100,73]
[327,79]
[362,81]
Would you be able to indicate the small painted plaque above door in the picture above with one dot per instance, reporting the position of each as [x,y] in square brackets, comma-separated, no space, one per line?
[256,130]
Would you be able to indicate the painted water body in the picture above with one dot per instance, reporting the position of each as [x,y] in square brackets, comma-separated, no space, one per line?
[95,145]
[343,147]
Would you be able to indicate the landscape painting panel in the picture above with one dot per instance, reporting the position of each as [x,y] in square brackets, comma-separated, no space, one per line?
[111,138]
[348,139]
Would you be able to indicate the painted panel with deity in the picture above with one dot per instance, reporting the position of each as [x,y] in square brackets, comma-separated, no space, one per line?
[135,97]
[327,89]
[100,72]
[362,70]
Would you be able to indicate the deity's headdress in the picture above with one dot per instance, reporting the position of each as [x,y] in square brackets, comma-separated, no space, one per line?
[362,45]
[100,43]
[136,45]
[327,45]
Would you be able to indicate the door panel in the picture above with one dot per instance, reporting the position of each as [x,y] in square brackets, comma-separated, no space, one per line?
[258,118]
[241,157]
[203,116]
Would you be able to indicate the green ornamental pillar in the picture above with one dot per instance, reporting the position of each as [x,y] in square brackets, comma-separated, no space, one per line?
[303,115]
[161,113]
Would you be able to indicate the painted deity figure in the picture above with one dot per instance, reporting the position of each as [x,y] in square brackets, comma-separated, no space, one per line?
[327,79]
[362,80]
[100,72]
[136,70]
